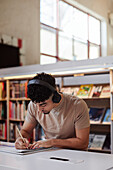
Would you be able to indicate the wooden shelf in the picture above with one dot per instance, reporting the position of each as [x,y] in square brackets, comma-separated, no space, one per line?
[98,102]
[3,139]
[2,120]
[5,99]
[19,99]
[100,124]
[16,120]
[100,128]
[12,140]
[96,98]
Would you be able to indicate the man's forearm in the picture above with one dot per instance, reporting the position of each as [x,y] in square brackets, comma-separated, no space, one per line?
[25,134]
[74,143]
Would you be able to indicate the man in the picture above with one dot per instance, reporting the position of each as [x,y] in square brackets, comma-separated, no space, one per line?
[64,118]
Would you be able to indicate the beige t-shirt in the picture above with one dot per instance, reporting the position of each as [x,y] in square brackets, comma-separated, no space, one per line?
[63,120]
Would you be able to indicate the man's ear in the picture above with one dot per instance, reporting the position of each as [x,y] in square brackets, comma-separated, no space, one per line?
[56,97]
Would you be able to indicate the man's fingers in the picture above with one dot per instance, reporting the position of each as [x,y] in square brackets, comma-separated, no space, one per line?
[35,145]
[26,141]
[20,147]
[39,144]
[20,144]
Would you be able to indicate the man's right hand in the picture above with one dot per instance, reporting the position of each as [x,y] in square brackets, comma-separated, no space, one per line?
[20,144]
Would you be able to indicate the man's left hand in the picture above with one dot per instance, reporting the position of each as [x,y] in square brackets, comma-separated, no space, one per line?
[42,143]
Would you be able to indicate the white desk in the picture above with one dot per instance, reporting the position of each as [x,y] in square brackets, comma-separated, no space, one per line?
[78,160]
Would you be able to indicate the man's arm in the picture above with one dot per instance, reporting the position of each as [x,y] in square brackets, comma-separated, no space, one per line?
[80,142]
[26,133]
[27,129]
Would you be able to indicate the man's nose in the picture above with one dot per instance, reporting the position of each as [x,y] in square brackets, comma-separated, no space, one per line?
[41,108]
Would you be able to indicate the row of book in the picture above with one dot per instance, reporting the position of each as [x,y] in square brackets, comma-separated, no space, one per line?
[100,115]
[17,110]
[3,130]
[99,141]
[2,90]
[38,133]
[13,133]
[18,89]
[2,110]
[88,91]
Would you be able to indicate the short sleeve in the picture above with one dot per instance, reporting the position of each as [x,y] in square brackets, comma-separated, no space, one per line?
[31,111]
[82,115]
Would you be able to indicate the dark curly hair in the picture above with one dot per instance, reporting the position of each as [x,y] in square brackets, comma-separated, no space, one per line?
[39,93]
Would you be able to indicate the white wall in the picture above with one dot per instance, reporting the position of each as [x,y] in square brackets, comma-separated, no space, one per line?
[21,19]
[101,7]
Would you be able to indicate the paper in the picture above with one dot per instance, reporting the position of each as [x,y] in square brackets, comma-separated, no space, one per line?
[10,148]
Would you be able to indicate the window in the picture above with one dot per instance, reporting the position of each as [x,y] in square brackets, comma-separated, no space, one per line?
[48,40]
[67,33]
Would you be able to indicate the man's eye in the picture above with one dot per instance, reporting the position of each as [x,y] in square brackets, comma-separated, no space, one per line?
[44,105]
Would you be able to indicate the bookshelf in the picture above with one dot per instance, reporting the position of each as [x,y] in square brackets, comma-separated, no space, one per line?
[69,75]
[101,80]
[18,102]
[3,111]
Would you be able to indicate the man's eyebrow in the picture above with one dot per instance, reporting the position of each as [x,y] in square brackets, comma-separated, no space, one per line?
[43,104]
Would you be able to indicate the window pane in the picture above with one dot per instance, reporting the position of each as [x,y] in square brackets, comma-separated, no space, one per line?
[65,46]
[48,12]
[73,21]
[94,51]
[80,50]
[47,60]
[48,41]
[94,30]
[79,25]
[65,16]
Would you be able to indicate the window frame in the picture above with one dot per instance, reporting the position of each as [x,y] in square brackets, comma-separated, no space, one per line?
[58,30]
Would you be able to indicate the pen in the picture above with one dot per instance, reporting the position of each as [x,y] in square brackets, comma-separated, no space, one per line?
[20,134]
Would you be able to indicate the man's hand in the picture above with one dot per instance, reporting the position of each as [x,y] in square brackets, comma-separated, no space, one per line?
[42,143]
[20,144]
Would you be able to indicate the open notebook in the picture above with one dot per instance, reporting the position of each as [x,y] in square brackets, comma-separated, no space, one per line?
[10,148]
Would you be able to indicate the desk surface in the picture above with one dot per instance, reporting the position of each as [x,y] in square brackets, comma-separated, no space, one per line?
[78,160]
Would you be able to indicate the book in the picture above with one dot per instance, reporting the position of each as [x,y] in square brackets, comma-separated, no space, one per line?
[91,137]
[84,91]
[98,142]
[18,89]
[39,133]
[75,90]
[13,134]
[107,143]
[96,114]
[66,90]
[70,90]
[2,90]
[97,91]
[23,88]
[107,117]
[3,110]
[105,91]
[92,91]
[3,130]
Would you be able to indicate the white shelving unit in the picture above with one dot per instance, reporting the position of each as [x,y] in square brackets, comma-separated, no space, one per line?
[72,73]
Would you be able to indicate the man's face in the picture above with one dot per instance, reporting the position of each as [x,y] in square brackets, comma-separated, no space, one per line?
[46,106]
